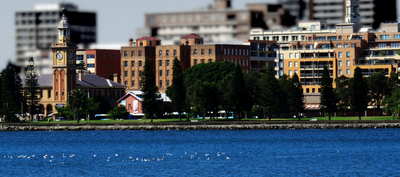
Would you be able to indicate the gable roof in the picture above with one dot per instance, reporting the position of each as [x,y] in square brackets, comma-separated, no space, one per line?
[131,93]
[148,38]
[88,80]
[192,36]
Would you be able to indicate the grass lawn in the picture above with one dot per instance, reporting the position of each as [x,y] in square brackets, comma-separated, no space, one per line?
[227,120]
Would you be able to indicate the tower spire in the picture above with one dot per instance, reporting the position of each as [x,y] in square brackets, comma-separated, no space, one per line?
[63,29]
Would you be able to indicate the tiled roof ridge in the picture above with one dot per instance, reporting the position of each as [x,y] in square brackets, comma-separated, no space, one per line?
[148,38]
[192,36]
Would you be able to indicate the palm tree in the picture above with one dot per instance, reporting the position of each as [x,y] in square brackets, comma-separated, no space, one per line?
[77,102]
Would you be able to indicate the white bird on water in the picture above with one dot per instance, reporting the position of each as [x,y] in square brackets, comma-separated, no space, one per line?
[116,155]
[94,155]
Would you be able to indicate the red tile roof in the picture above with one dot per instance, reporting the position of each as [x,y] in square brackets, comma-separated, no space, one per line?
[192,36]
[148,38]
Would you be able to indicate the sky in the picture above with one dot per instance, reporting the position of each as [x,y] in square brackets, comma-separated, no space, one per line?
[117,20]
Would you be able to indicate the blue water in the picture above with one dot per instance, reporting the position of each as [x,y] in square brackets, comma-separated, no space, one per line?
[370,152]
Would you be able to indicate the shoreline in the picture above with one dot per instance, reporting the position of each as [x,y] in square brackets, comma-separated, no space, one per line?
[275,125]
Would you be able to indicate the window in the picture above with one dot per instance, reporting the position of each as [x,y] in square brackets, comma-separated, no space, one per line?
[295,71]
[280,72]
[126,74]
[209,60]
[332,38]
[347,54]
[290,73]
[90,65]
[159,62]
[133,83]
[202,51]
[340,37]
[160,73]
[290,55]
[195,62]
[202,60]
[382,45]
[195,52]
[340,54]
[348,71]
[348,62]
[281,56]
[167,53]
[167,73]
[79,57]
[385,37]
[353,45]
[132,53]
[133,73]
[140,53]
[346,45]
[89,57]
[339,46]
[126,83]
[224,51]
[132,63]
[321,38]
[281,64]
[175,53]
[309,39]
[290,64]
[228,51]
[340,63]
[160,53]
[295,64]
[125,53]
[167,62]
[296,55]
[160,84]
[294,47]
[209,51]
[140,63]
[167,83]
[111,56]
[140,73]
[126,63]
[340,72]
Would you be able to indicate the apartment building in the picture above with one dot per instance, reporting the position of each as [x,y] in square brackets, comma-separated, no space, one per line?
[217,23]
[190,52]
[36,30]
[104,62]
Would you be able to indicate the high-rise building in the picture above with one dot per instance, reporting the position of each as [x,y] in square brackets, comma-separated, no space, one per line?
[216,23]
[35,31]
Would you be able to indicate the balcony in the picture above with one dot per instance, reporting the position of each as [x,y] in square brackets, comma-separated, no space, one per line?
[310,83]
[313,74]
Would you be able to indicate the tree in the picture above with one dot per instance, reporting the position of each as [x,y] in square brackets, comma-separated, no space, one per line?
[237,91]
[177,90]
[225,96]
[32,90]
[81,67]
[393,82]
[117,112]
[328,97]
[284,82]
[65,112]
[342,92]
[11,93]
[92,106]
[296,97]
[358,93]
[271,93]
[77,100]
[150,91]
[392,103]
[253,82]
[377,84]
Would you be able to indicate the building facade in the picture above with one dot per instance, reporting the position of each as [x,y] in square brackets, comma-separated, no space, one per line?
[104,63]
[35,31]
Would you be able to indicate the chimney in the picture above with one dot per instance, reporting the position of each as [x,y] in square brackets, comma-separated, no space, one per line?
[80,74]
[115,75]
[130,41]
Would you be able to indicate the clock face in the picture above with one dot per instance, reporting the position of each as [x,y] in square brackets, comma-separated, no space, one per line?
[59,55]
[71,55]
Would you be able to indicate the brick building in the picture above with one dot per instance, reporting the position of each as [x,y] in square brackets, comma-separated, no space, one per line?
[104,62]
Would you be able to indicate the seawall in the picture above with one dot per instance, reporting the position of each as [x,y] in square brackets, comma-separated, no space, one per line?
[238,125]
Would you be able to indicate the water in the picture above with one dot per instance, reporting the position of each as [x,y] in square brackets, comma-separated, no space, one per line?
[344,152]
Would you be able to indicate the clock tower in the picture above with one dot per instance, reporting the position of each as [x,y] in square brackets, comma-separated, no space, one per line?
[352,11]
[64,62]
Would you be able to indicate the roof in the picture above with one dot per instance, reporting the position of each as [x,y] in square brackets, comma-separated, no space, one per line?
[64,21]
[131,93]
[148,38]
[88,80]
[192,36]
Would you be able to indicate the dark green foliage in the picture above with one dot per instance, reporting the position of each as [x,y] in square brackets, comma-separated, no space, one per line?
[104,104]
[81,66]
[393,82]
[342,92]
[296,97]
[11,93]
[377,84]
[392,103]
[272,93]
[118,112]
[65,112]
[328,98]
[77,101]
[32,93]
[358,93]
[237,91]
[92,106]
[253,82]
[151,96]
[176,92]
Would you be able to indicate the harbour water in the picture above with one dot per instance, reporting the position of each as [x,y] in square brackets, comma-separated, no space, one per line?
[336,152]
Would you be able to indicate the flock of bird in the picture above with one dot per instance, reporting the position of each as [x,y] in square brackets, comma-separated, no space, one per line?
[118,158]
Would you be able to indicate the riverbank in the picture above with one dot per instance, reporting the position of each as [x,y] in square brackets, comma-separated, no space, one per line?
[237,125]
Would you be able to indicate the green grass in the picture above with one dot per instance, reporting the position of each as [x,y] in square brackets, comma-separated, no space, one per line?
[228,120]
